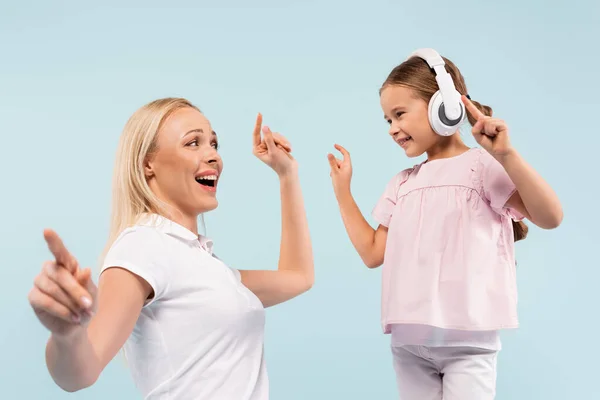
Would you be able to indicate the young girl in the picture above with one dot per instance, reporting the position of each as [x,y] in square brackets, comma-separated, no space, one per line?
[446,233]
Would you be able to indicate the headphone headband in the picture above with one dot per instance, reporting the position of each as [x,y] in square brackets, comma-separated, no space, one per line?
[450,96]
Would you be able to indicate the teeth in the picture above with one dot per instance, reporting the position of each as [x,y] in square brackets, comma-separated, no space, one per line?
[208,177]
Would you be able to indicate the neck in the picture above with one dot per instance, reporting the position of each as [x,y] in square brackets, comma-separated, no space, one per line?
[174,213]
[447,147]
[187,221]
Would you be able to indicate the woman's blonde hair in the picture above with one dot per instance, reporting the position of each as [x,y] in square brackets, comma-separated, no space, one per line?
[131,194]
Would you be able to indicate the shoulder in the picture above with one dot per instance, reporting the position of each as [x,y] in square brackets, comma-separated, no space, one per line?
[396,181]
[143,251]
[138,243]
[489,168]
[483,165]
[139,235]
[483,157]
[400,177]
[384,207]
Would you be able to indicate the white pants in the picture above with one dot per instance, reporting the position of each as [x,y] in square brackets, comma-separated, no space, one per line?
[445,373]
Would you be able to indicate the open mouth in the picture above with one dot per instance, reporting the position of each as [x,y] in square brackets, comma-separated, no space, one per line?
[208,181]
[404,141]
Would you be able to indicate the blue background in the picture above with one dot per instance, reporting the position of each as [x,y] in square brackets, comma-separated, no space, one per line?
[71,75]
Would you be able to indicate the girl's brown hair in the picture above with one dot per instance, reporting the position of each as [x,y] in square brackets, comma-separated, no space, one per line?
[416,74]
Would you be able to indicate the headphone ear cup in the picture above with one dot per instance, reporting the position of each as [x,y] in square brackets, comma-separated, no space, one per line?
[433,111]
[437,116]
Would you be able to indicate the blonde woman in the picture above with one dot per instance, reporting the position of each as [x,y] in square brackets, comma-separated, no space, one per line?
[191,327]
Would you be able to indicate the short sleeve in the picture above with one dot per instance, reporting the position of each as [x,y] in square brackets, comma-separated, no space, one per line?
[498,187]
[142,251]
[382,213]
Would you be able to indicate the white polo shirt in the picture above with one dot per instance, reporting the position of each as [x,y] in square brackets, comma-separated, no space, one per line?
[201,336]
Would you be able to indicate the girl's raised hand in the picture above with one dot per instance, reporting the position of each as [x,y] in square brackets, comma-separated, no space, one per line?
[341,170]
[490,133]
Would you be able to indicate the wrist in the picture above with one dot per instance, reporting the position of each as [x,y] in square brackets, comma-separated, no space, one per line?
[77,335]
[290,174]
[506,158]
[343,193]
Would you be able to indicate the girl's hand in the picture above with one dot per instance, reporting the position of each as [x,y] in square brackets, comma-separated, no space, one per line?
[273,149]
[341,171]
[490,133]
[63,296]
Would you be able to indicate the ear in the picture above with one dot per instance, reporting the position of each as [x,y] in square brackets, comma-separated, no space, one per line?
[148,168]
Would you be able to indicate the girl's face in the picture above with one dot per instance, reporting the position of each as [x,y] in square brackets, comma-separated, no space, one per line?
[185,168]
[409,123]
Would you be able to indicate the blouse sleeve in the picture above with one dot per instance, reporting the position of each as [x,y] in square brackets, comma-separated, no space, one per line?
[498,187]
[382,212]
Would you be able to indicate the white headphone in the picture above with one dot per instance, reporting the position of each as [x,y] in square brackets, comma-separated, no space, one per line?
[446,110]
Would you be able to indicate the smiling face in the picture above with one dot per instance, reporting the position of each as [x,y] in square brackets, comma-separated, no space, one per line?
[185,167]
[408,120]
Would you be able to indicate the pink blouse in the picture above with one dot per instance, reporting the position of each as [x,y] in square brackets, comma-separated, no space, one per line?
[449,259]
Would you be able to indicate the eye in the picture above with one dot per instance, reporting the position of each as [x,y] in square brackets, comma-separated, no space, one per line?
[193,143]
[399,114]
[215,145]
[389,121]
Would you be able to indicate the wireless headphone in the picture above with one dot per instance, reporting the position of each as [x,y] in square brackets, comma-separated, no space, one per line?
[446,111]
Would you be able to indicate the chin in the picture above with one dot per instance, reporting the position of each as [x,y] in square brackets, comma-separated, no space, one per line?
[410,153]
[203,204]
[209,206]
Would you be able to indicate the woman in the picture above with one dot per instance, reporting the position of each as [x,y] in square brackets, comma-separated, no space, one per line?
[191,327]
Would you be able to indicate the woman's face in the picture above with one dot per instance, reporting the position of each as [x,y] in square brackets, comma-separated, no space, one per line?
[185,168]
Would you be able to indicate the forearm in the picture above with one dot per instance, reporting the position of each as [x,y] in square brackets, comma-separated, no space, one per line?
[296,250]
[361,234]
[539,199]
[72,362]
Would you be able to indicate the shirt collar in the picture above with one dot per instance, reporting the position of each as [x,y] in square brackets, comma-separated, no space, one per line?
[172,228]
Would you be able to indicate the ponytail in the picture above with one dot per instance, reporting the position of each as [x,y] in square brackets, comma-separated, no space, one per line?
[520,230]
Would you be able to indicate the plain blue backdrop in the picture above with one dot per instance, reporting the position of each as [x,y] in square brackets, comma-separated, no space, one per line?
[71,75]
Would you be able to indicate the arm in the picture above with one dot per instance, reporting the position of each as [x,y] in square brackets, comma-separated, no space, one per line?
[295,272]
[534,198]
[76,361]
[368,242]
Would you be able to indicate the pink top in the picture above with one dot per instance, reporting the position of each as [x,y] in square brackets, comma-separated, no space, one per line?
[449,258]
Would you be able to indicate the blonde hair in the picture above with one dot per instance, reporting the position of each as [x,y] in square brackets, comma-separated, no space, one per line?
[131,194]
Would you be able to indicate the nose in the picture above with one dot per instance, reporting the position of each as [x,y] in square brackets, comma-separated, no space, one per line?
[213,157]
[394,128]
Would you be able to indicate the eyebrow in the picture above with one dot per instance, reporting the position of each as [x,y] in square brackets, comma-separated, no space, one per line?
[199,130]
[395,110]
